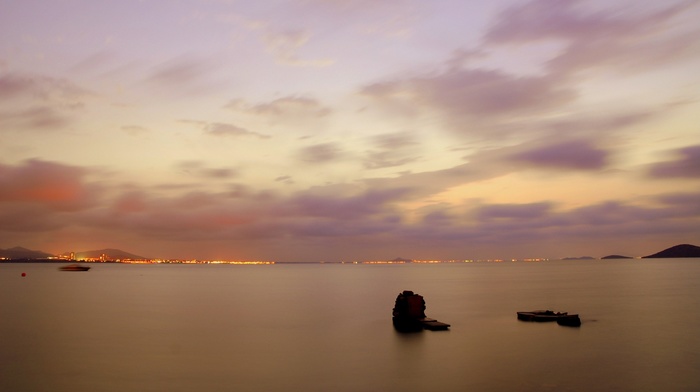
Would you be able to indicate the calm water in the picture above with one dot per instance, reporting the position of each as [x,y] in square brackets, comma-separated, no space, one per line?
[317,327]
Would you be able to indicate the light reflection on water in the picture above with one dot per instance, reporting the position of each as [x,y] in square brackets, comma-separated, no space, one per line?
[327,327]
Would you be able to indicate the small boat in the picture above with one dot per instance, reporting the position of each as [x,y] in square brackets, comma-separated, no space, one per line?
[74,267]
[541,315]
[570,320]
[408,314]
[562,318]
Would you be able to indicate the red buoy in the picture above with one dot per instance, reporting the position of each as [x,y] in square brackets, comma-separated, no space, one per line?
[24,274]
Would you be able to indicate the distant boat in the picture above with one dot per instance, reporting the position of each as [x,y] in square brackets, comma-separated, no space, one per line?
[74,267]
[540,315]
[562,318]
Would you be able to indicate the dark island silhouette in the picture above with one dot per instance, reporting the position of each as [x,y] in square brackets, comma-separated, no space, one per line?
[19,253]
[610,257]
[678,251]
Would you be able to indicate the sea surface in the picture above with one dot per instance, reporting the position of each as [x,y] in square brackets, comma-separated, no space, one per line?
[327,327]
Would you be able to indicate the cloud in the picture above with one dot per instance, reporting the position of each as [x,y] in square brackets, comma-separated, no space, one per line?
[296,114]
[59,92]
[285,47]
[38,102]
[682,204]
[576,154]
[391,150]
[285,179]
[321,153]
[198,169]
[467,97]
[626,39]
[53,186]
[362,206]
[36,117]
[514,211]
[493,103]
[183,75]
[134,130]
[230,130]
[218,129]
[290,106]
[686,166]
[370,213]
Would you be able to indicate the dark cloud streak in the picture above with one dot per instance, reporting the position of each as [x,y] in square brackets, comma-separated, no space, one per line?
[686,166]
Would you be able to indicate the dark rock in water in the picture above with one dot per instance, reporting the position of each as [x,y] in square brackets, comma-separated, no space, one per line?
[683,250]
[408,314]
[615,257]
[571,320]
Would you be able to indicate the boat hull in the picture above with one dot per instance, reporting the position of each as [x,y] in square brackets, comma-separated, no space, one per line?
[74,268]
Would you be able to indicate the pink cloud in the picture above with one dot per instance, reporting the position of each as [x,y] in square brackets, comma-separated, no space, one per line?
[56,186]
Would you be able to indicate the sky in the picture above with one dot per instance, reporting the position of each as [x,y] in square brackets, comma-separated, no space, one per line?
[346,130]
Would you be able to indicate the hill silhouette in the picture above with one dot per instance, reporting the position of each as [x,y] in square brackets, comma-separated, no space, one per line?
[110,254]
[18,253]
[683,250]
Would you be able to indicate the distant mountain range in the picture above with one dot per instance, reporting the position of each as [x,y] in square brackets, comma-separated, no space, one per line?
[19,253]
[23,253]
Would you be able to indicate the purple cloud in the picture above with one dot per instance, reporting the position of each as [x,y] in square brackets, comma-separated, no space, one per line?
[579,155]
[514,211]
[60,92]
[596,38]
[38,102]
[185,75]
[391,150]
[466,96]
[360,206]
[686,166]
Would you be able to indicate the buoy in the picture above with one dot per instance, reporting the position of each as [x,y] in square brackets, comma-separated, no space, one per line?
[24,274]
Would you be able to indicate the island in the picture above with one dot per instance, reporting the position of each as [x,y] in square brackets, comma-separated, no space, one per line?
[678,251]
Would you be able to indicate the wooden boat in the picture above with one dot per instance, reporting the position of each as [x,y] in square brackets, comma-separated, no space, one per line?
[562,318]
[74,267]
[540,315]
[570,320]
[408,314]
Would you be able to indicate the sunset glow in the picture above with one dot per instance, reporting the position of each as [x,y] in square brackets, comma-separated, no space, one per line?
[308,130]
